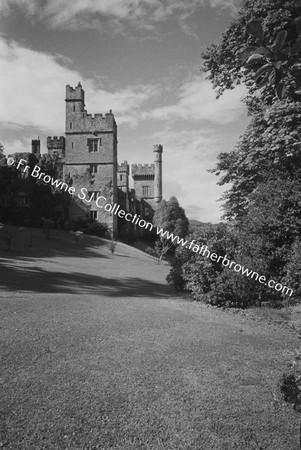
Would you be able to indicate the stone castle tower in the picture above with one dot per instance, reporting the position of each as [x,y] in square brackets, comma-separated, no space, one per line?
[91,153]
[148,179]
[88,152]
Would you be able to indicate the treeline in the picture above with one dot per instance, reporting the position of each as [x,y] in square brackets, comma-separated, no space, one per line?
[262,49]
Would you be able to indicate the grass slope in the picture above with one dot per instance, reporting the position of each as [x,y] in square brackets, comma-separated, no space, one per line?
[98,353]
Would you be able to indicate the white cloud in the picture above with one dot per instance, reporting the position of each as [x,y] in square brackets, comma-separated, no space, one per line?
[143,14]
[196,101]
[16,145]
[32,91]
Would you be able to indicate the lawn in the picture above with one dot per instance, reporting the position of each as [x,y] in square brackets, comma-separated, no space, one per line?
[97,352]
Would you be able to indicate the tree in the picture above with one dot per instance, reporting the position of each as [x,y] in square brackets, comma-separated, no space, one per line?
[2,156]
[276,65]
[268,150]
[223,62]
[170,216]
[261,48]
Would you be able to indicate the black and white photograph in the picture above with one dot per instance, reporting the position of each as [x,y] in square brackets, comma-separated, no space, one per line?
[150,224]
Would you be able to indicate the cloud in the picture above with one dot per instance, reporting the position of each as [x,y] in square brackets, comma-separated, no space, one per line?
[140,14]
[16,145]
[196,101]
[32,91]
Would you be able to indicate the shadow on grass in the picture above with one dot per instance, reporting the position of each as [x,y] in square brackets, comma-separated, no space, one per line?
[35,279]
[31,244]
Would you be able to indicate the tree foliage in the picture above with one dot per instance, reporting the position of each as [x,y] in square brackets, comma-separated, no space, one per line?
[276,65]
[223,61]
[261,48]
[171,217]
[268,150]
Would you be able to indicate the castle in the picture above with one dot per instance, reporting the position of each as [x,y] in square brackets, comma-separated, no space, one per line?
[88,161]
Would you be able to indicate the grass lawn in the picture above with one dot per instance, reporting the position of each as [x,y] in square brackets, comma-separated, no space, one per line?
[97,352]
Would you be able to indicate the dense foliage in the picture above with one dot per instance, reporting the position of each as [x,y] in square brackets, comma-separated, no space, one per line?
[261,48]
[223,61]
[171,217]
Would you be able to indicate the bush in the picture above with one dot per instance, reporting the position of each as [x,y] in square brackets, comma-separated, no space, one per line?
[89,226]
[292,269]
[176,276]
[150,251]
[291,389]
[112,246]
[210,281]
[195,273]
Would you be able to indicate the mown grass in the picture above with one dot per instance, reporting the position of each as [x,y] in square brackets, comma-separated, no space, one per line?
[98,353]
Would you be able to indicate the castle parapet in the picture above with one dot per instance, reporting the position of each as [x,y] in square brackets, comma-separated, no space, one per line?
[124,167]
[142,170]
[56,144]
[76,93]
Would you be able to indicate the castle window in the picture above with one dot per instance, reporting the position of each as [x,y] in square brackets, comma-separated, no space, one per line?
[4,200]
[73,108]
[93,214]
[93,145]
[145,191]
[93,195]
[93,168]
[22,175]
[22,199]
[70,125]
[120,177]
[72,144]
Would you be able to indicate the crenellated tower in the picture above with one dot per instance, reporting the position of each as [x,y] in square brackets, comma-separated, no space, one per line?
[56,145]
[148,179]
[36,147]
[91,153]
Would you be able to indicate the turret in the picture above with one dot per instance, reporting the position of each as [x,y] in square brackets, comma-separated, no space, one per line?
[75,94]
[123,176]
[158,150]
[36,147]
[56,145]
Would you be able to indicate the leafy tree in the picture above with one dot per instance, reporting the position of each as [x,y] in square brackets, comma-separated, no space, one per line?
[170,216]
[274,63]
[292,277]
[268,150]
[223,62]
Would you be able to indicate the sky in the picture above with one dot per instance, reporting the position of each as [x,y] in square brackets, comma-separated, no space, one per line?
[140,58]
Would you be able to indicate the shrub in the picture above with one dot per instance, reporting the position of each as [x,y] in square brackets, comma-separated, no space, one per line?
[150,251]
[112,246]
[196,273]
[291,389]
[292,269]
[210,281]
[89,226]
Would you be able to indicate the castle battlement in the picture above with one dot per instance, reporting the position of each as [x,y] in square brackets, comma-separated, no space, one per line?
[55,142]
[123,167]
[143,170]
[76,93]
